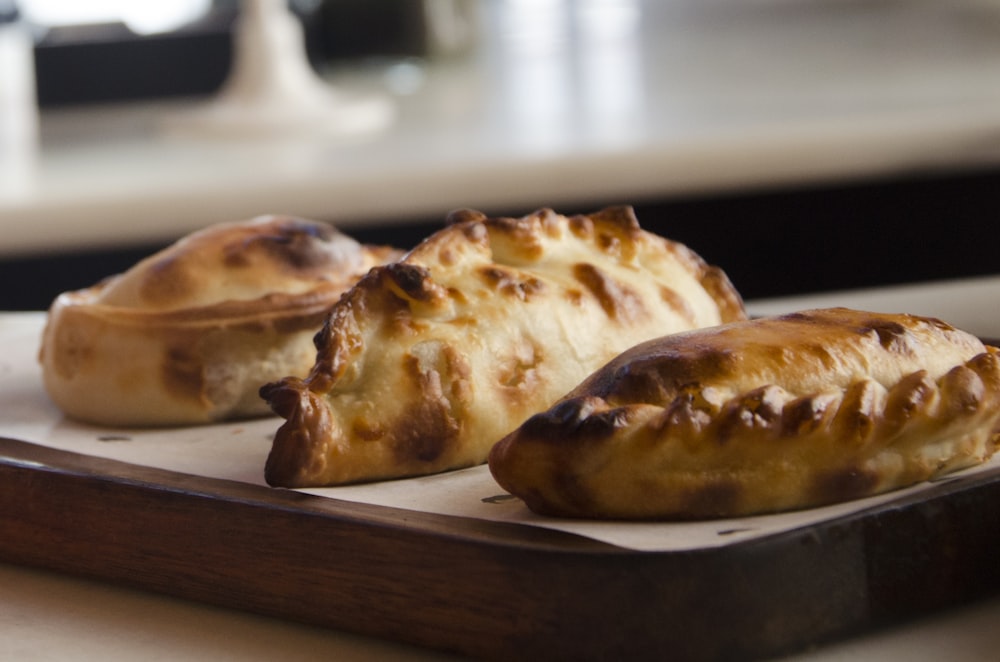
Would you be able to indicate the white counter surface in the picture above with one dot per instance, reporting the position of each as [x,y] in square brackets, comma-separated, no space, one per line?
[44,616]
[622,101]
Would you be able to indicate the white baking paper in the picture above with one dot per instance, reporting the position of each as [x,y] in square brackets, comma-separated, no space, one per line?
[237,451]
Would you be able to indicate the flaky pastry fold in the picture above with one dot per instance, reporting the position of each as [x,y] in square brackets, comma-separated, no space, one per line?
[760,416]
[428,361]
[189,334]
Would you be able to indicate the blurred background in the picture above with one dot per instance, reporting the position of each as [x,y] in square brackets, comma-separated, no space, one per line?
[801,145]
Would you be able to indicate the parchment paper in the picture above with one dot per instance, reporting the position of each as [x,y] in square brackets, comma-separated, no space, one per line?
[237,451]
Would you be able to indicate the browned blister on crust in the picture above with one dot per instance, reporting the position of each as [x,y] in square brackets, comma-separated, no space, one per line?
[189,334]
[760,416]
[426,362]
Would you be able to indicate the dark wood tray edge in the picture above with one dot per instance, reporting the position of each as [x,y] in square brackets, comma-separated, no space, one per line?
[54,461]
[489,589]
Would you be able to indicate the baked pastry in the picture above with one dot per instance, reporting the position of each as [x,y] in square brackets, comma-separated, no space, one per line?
[188,335]
[760,416]
[428,361]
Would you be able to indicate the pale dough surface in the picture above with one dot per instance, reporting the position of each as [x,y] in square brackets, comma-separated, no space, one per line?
[190,333]
[428,361]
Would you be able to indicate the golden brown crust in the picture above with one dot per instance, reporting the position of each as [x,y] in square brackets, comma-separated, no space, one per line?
[427,361]
[766,415]
[190,333]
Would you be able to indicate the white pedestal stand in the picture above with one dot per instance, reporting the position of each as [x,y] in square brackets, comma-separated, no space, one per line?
[272,91]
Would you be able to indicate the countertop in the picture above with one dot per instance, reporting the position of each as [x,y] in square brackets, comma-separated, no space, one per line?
[46,616]
[579,104]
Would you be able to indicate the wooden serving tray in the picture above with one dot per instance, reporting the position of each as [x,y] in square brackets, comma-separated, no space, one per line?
[495,590]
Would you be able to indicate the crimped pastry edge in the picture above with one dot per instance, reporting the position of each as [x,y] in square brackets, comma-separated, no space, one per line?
[297,458]
[918,443]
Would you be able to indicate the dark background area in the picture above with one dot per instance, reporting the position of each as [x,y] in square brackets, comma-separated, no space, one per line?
[107,63]
[770,242]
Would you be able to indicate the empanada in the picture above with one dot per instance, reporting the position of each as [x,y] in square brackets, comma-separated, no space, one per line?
[760,416]
[426,362]
[188,335]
